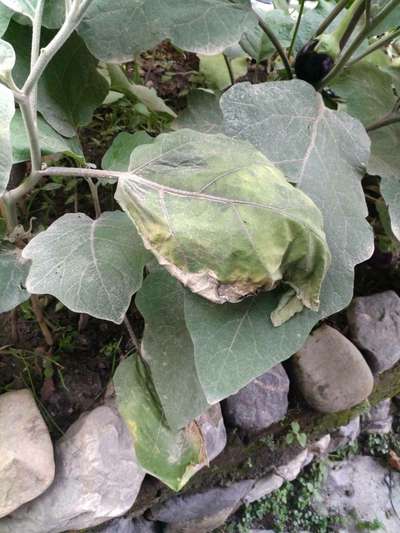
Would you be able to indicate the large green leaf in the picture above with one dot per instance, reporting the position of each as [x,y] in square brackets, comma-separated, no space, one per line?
[117,31]
[325,153]
[235,343]
[168,349]
[223,220]
[51,142]
[71,87]
[172,456]
[391,21]
[13,272]
[6,114]
[368,94]
[91,266]
[201,114]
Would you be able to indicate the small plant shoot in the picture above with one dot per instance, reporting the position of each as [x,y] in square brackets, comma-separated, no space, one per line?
[231,224]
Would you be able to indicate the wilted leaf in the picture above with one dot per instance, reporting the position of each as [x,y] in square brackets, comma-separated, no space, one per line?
[168,349]
[202,113]
[222,219]
[13,272]
[118,31]
[325,153]
[172,456]
[7,109]
[91,266]
[51,142]
[118,155]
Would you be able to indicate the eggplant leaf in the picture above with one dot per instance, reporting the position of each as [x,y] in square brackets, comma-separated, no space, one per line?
[91,266]
[223,220]
[7,109]
[325,153]
[172,456]
[13,272]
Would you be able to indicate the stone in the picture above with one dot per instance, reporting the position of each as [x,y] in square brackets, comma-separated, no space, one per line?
[378,419]
[129,525]
[201,512]
[345,435]
[212,426]
[374,323]
[264,486]
[290,469]
[26,451]
[97,478]
[320,447]
[261,403]
[330,372]
[361,489]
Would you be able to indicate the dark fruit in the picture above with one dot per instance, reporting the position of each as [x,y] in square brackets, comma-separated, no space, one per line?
[312,66]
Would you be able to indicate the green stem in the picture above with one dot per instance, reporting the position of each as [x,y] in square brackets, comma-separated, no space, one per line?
[230,71]
[275,41]
[296,29]
[379,43]
[332,15]
[350,21]
[9,213]
[95,197]
[35,50]
[363,34]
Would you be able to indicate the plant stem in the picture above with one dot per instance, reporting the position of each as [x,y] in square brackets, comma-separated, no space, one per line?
[387,120]
[275,41]
[35,49]
[332,15]
[296,29]
[363,34]
[379,43]
[354,15]
[9,213]
[71,22]
[38,312]
[230,71]
[95,196]
[132,335]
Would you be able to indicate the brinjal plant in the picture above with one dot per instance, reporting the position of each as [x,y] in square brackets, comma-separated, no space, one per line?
[238,228]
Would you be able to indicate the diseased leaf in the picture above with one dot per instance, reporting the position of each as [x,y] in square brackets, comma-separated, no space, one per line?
[202,26]
[13,272]
[171,456]
[91,266]
[71,87]
[7,109]
[368,94]
[201,114]
[118,155]
[51,142]
[168,349]
[325,153]
[236,343]
[222,219]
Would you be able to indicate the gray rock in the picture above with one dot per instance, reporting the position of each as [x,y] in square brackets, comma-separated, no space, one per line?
[97,478]
[261,403]
[289,470]
[361,489]
[202,512]
[263,487]
[375,327]
[345,435]
[378,419]
[212,426]
[320,447]
[127,525]
[331,372]
[26,451]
